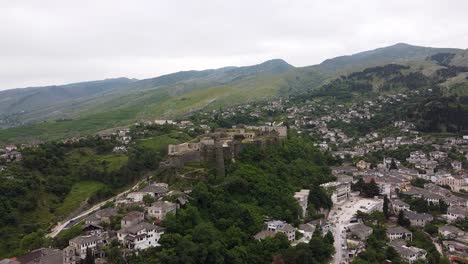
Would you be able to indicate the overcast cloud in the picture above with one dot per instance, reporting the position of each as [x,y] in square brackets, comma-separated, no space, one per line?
[55,42]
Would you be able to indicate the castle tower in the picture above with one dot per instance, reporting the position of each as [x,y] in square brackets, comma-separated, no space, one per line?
[220,170]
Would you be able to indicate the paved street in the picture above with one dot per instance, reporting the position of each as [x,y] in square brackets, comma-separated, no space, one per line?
[68,223]
[339,218]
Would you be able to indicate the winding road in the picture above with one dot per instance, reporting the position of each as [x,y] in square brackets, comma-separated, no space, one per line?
[63,225]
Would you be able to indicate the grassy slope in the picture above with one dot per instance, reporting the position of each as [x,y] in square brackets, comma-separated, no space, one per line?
[179,99]
[79,193]
[79,157]
[159,143]
[146,105]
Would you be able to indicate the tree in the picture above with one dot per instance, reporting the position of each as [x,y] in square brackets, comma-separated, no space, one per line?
[329,238]
[393,165]
[148,199]
[402,220]
[31,241]
[385,206]
[370,189]
[89,259]
[431,229]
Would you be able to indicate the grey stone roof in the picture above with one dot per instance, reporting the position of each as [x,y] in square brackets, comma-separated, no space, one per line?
[163,204]
[307,227]
[139,227]
[42,256]
[457,210]
[85,239]
[264,234]
[400,203]
[287,228]
[398,230]
[133,216]
[155,189]
[418,216]
[106,212]
[360,228]
[449,228]
[408,251]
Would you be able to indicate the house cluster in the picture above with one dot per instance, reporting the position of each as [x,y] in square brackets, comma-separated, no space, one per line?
[399,237]
[272,227]
[455,242]
[276,226]
[160,122]
[10,153]
[133,221]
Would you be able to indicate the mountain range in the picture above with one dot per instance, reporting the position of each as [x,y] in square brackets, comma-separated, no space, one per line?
[75,109]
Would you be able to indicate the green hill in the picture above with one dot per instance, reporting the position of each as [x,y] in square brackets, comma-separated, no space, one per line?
[105,104]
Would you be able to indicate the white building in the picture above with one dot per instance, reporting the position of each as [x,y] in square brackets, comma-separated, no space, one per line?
[140,236]
[340,191]
[81,243]
[399,232]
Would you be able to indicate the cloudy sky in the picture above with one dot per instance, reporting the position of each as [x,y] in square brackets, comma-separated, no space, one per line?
[55,42]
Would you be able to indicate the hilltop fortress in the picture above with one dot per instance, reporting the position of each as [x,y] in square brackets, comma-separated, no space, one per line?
[221,145]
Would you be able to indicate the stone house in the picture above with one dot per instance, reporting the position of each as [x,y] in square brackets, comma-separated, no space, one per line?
[132,218]
[450,232]
[418,219]
[160,209]
[456,213]
[399,232]
[288,230]
[360,231]
[81,243]
[140,236]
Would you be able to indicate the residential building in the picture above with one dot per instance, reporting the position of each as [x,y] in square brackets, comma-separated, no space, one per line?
[398,205]
[288,230]
[275,225]
[455,182]
[82,243]
[132,219]
[399,232]
[360,231]
[456,213]
[307,230]
[140,236]
[410,254]
[340,191]
[450,232]
[418,219]
[160,209]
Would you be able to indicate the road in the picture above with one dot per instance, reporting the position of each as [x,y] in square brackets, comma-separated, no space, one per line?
[60,226]
[339,218]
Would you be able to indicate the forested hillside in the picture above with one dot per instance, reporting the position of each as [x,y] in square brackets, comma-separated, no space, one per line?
[224,213]
[55,179]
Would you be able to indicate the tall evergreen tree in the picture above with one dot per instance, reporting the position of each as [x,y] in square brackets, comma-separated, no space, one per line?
[402,220]
[89,259]
[385,207]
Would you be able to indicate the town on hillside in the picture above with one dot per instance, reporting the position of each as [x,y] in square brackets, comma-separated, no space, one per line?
[393,189]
